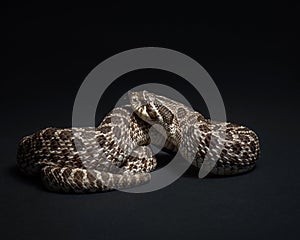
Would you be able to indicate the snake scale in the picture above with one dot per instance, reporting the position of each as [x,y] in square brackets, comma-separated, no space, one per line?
[115,154]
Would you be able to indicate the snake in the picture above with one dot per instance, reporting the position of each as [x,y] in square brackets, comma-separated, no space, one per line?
[231,148]
[116,154]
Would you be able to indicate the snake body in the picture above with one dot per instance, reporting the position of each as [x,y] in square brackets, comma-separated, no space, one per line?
[88,159]
[190,133]
[115,154]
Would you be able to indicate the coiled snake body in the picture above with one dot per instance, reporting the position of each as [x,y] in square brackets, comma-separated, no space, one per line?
[115,154]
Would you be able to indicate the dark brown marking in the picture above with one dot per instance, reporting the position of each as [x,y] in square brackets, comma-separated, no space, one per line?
[55,158]
[204,128]
[66,152]
[107,120]
[228,136]
[111,144]
[236,148]
[101,140]
[245,155]
[78,176]
[90,176]
[49,133]
[244,138]
[252,146]
[207,140]
[66,173]
[77,161]
[105,129]
[54,143]
[65,135]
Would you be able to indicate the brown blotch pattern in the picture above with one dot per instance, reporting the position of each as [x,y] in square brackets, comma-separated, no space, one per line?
[252,146]
[65,135]
[101,140]
[78,176]
[204,128]
[236,148]
[49,133]
[105,129]
[107,120]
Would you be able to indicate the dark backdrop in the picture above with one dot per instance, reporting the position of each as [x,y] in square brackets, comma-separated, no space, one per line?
[254,63]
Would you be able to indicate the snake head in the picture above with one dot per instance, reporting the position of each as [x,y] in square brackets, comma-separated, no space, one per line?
[143,104]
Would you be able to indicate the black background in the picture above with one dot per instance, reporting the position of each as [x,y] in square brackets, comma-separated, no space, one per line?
[252,55]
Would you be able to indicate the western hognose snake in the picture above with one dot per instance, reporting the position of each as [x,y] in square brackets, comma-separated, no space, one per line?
[115,154]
